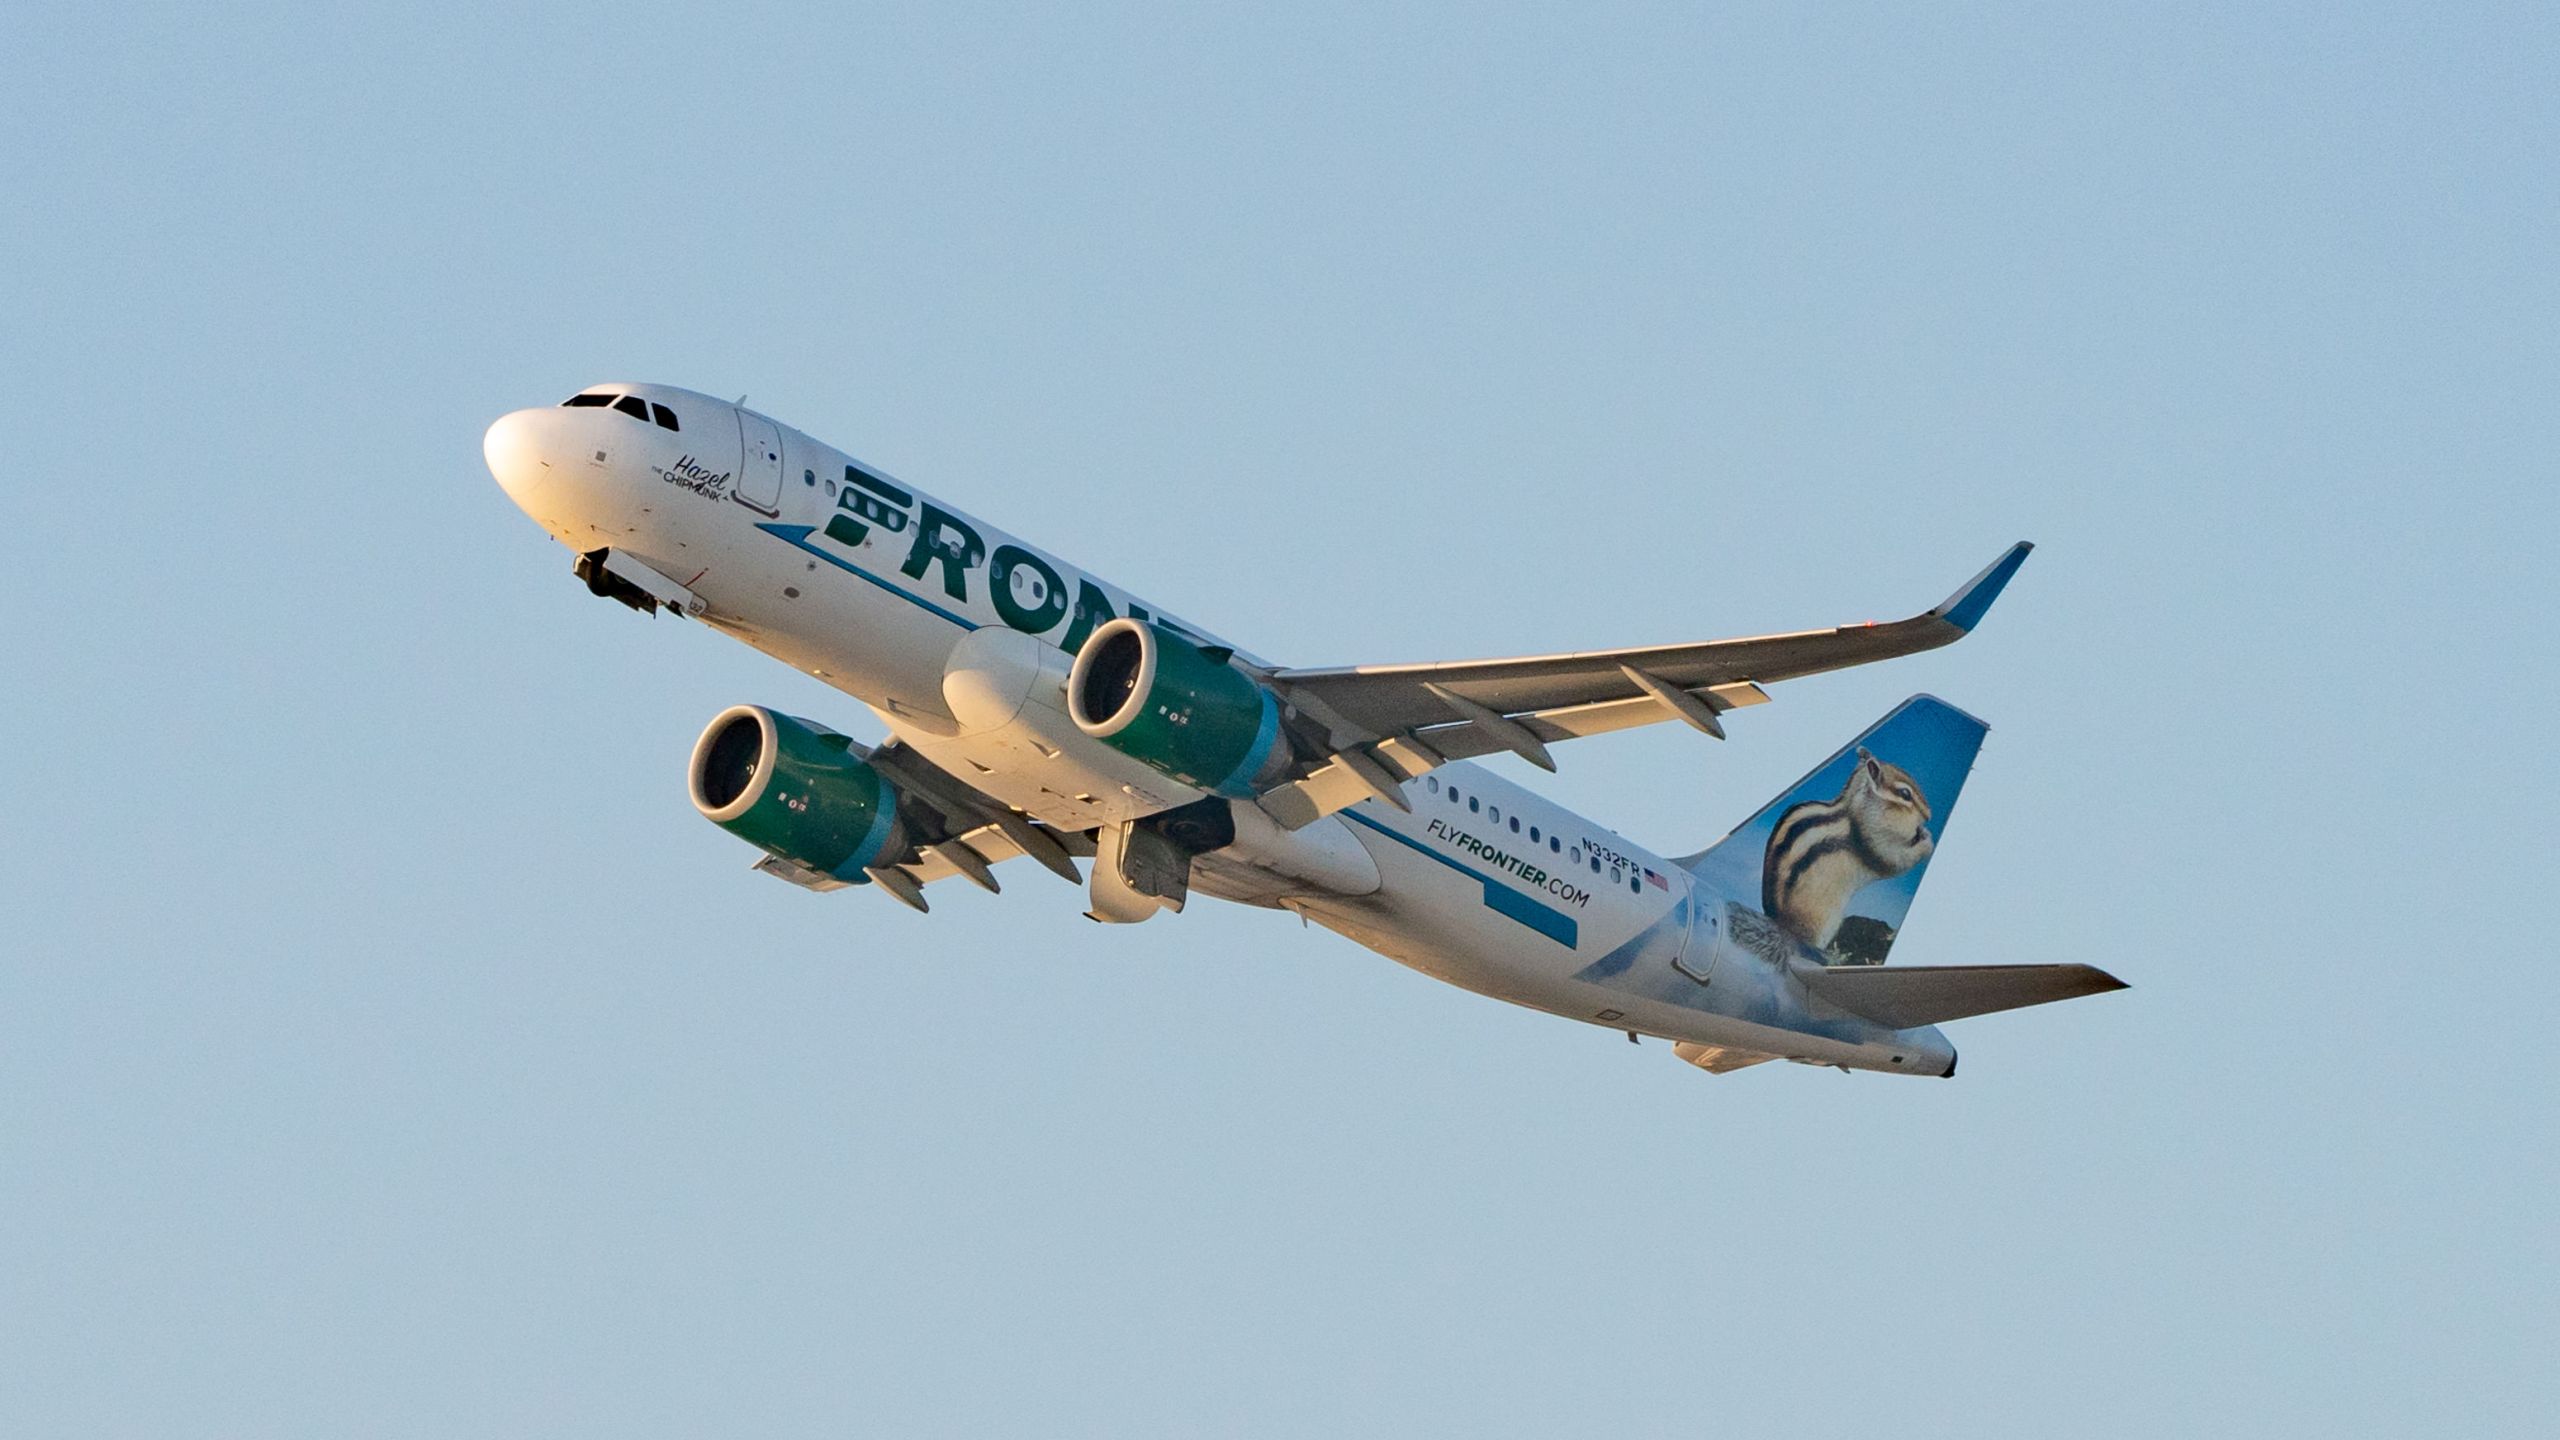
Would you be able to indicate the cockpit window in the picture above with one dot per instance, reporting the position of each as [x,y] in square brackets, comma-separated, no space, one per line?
[631,405]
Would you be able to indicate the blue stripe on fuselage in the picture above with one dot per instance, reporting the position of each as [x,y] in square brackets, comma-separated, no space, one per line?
[798,536]
[1498,897]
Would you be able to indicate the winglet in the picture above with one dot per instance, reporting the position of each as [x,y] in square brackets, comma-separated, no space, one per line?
[1964,609]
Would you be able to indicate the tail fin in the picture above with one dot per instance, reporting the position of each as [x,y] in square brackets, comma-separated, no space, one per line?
[1836,858]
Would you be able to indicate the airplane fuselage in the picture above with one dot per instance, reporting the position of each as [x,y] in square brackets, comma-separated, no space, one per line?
[907,604]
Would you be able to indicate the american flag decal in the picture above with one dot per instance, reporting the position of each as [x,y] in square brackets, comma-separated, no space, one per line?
[1656,881]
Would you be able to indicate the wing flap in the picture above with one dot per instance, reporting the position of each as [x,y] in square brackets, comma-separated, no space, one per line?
[941,860]
[1336,785]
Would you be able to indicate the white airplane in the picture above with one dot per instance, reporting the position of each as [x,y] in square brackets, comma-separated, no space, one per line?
[1039,711]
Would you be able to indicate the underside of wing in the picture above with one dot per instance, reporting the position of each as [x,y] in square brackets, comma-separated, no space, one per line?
[954,830]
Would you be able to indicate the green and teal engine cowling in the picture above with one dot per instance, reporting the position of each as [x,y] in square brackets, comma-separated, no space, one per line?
[797,792]
[1159,697]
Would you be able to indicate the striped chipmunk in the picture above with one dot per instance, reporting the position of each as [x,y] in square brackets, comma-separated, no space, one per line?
[1823,852]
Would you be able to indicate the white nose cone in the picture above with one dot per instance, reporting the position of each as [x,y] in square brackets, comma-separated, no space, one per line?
[517,456]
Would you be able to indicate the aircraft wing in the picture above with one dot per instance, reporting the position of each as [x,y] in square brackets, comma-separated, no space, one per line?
[955,829]
[1390,723]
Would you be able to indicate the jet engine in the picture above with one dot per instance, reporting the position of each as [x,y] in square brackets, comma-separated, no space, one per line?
[1167,702]
[797,792]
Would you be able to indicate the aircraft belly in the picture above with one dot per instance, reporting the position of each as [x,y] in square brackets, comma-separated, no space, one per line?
[1049,788]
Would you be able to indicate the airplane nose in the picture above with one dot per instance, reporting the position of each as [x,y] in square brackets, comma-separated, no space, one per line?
[518,456]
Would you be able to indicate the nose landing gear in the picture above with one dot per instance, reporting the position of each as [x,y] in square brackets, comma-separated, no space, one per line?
[621,578]
[601,581]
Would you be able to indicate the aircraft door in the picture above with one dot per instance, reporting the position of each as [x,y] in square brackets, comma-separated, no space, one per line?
[1703,944]
[760,464]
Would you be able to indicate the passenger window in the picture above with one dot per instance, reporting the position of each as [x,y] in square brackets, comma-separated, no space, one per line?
[576,400]
[1554,846]
[1595,864]
[1576,856]
[1434,783]
[633,406]
[1515,824]
[1494,814]
[1533,834]
[666,417]
[1472,806]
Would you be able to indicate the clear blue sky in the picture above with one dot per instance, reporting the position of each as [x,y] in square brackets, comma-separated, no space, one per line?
[387,1049]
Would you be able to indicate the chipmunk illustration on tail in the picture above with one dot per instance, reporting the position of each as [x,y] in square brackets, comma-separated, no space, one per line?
[1828,868]
[1823,852]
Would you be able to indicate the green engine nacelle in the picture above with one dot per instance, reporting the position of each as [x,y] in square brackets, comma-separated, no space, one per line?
[796,792]
[1157,697]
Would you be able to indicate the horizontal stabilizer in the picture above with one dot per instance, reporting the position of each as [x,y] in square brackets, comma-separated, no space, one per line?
[1904,996]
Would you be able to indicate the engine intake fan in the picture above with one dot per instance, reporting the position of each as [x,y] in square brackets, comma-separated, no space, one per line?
[1160,698]
[796,792]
